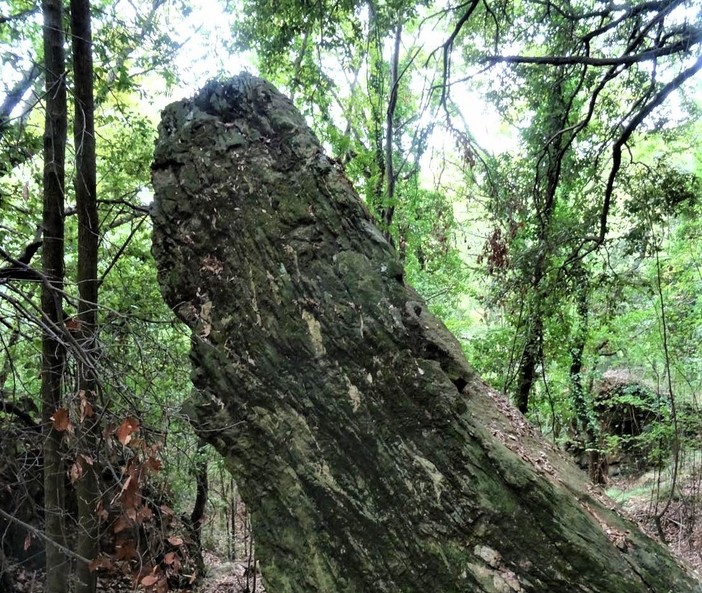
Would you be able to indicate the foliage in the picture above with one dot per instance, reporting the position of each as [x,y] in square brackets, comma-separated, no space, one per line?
[139,357]
[574,226]
[571,252]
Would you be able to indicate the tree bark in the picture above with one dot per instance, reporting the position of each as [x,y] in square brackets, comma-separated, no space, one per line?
[531,356]
[87,488]
[197,516]
[587,427]
[388,210]
[53,351]
[369,454]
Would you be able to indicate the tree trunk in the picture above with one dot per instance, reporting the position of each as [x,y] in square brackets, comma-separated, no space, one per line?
[369,454]
[587,427]
[53,352]
[197,516]
[532,355]
[87,489]
[544,198]
[388,210]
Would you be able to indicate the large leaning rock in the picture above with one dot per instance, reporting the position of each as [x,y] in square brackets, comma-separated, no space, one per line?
[371,456]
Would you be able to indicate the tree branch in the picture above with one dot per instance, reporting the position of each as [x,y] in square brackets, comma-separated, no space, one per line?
[448,46]
[19,15]
[628,13]
[19,268]
[636,121]
[10,408]
[40,534]
[15,95]
[682,45]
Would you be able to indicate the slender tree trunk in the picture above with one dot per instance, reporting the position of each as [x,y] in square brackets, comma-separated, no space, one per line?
[234,507]
[531,356]
[53,352]
[376,101]
[388,210]
[544,197]
[197,516]
[597,463]
[369,454]
[85,186]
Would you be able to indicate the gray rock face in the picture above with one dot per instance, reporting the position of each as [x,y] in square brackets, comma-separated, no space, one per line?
[371,457]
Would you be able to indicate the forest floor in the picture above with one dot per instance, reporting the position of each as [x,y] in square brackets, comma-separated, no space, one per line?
[680,524]
[664,511]
[230,577]
[667,509]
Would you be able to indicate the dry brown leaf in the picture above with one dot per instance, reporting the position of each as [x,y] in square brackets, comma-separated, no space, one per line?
[102,513]
[149,580]
[121,524]
[76,472]
[73,325]
[153,463]
[125,430]
[145,514]
[125,550]
[130,495]
[126,484]
[86,408]
[101,561]
[61,421]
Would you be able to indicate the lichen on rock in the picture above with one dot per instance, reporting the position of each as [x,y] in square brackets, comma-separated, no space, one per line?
[370,455]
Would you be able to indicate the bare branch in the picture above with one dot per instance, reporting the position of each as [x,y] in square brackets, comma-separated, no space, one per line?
[15,95]
[10,408]
[683,45]
[448,46]
[627,13]
[19,15]
[40,534]
[121,250]
[19,268]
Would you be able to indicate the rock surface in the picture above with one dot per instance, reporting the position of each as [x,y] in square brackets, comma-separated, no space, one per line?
[370,455]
